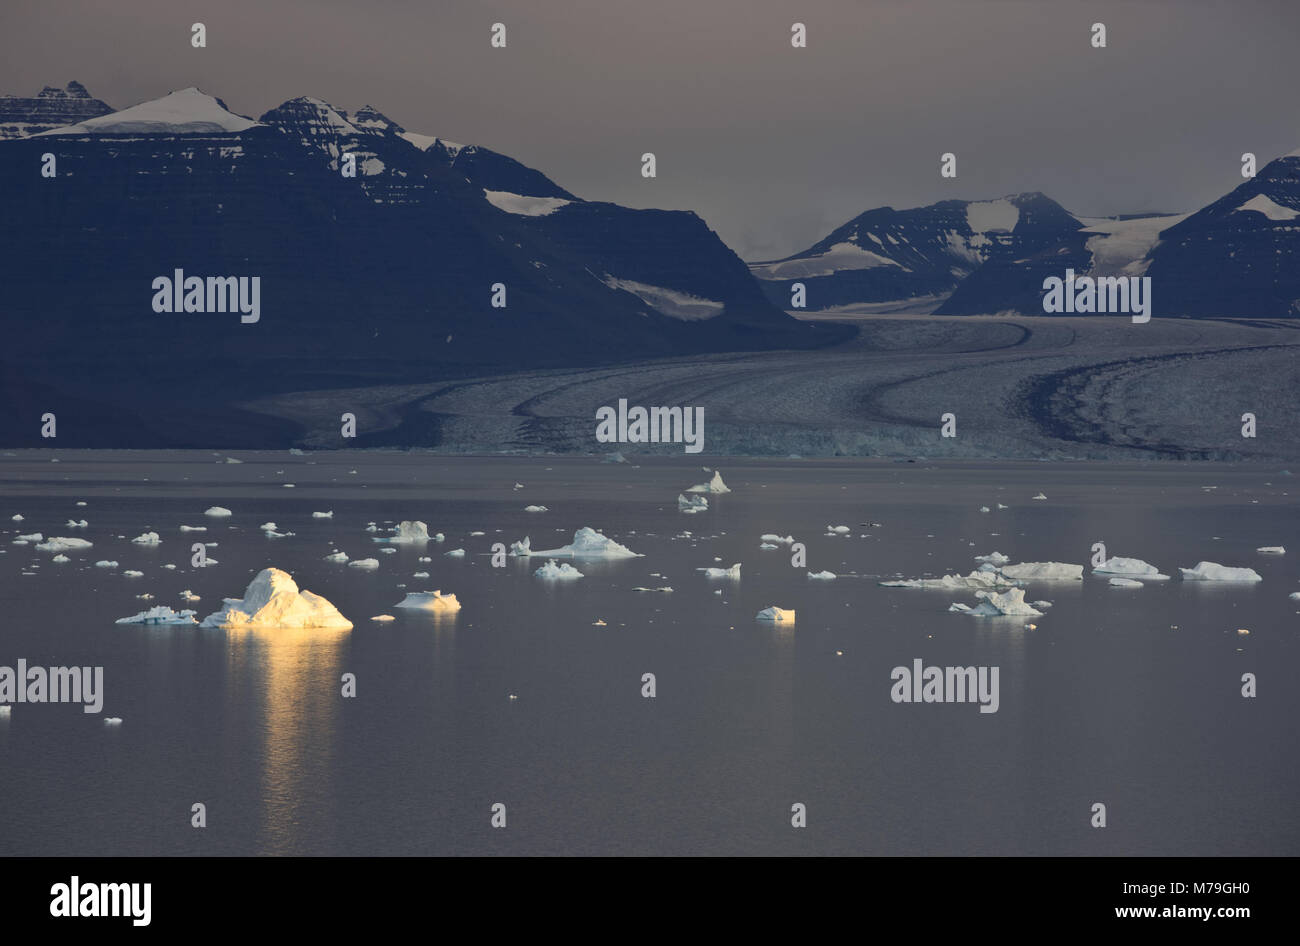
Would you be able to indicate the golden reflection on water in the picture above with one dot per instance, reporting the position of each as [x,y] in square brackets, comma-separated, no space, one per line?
[293,677]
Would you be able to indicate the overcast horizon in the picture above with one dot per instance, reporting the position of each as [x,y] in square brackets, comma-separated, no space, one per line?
[773,146]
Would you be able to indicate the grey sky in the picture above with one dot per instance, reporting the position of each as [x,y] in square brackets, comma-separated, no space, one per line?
[773,146]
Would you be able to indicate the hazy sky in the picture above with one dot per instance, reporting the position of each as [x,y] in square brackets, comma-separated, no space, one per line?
[773,146]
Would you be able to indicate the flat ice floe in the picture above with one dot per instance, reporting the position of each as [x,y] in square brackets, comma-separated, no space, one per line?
[587,543]
[217,512]
[77,524]
[776,539]
[105,563]
[1212,571]
[159,615]
[337,557]
[429,601]
[147,538]
[993,604]
[837,530]
[383,618]
[535,509]
[1129,568]
[408,532]
[272,599]
[328,514]
[985,577]
[1044,571]
[563,570]
[993,558]
[366,563]
[733,572]
[714,485]
[455,553]
[61,544]
[1126,583]
[821,576]
[1271,550]
[776,615]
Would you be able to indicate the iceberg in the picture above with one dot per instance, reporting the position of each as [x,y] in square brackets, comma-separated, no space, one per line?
[837,530]
[272,599]
[535,509]
[1212,571]
[1043,571]
[60,544]
[1009,602]
[993,558]
[733,572]
[981,578]
[1129,568]
[366,563]
[337,557]
[217,512]
[17,517]
[776,615]
[587,543]
[821,576]
[714,485]
[561,571]
[429,601]
[60,558]
[1272,550]
[147,538]
[159,615]
[455,553]
[691,504]
[408,532]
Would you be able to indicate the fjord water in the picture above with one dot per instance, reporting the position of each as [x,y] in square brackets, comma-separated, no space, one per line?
[1130,698]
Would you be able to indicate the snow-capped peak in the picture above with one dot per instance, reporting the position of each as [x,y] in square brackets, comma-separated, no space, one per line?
[184,112]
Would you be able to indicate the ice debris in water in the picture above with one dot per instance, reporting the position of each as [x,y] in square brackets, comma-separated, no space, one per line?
[1212,571]
[733,572]
[408,532]
[562,570]
[714,485]
[159,615]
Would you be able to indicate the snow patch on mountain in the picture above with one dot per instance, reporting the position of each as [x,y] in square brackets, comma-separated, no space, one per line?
[840,257]
[669,302]
[524,206]
[1271,209]
[185,112]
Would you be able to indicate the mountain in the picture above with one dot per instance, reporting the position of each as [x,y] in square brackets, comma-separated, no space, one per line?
[1238,256]
[923,254]
[52,108]
[385,277]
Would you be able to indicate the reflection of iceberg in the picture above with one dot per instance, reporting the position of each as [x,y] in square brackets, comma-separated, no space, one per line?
[429,601]
[408,533]
[272,599]
[1212,571]
[587,543]
[159,615]
[1129,568]
[563,570]
[714,485]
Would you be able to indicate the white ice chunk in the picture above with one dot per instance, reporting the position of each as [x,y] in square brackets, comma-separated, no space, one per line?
[776,615]
[1129,568]
[1043,571]
[147,538]
[563,570]
[272,599]
[714,485]
[1212,571]
[159,615]
[732,573]
[429,601]
[217,512]
[587,543]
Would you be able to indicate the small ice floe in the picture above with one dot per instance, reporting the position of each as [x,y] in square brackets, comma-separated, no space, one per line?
[194,528]
[535,509]
[614,457]
[995,604]
[287,485]
[1041,605]
[425,558]
[327,514]
[370,564]
[1294,596]
[217,512]
[188,595]
[1212,571]
[1038,496]
[455,553]
[773,539]
[598,623]
[714,485]
[81,502]
[17,517]
[1125,583]
[1129,568]
[587,543]
[29,537]
[408,532]
[147,538]
[233,460]
[61,544]
[985,577]
[159,615]
[1043,571]
[837,530]
[371,527]
[477,533]
[821,576]
[383,618]
[388,551]
[269,530]
[5,710]
[113,721]
[60,558]
[691,504]
[562,570]
[768,546]
[519,486]
[337,556]
[1271,550]
[170,567]
[1243,630]
[993,558]
[664,588]
[439,538]
[985,509]
[77,524]
[732,573]
[272,599]
[420,575]
[105,563]
[1000,506]
[776,615]
[144,597]
[295,452]
[132,573]
[429,601]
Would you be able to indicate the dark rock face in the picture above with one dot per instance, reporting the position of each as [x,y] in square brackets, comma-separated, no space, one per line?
[381,278]
[888,255]
[52,108]
[1239,256]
